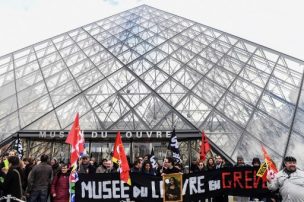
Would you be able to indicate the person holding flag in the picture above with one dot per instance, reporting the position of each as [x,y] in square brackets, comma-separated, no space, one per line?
[289,181]
[76,140]
[119,157]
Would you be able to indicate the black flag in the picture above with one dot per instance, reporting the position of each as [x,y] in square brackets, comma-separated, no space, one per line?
[173,146]
[18,147]
[153,160]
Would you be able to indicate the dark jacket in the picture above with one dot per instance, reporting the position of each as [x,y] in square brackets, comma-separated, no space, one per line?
[60,187]
[172,170]
[40,178]
[87,168]
[12,184]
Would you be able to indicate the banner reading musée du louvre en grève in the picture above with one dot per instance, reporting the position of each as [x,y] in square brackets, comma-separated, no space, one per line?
[195,186]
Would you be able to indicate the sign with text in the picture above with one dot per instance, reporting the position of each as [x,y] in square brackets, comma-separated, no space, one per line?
[195,186]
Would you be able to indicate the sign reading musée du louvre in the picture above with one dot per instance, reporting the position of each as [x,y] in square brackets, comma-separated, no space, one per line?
[109,134]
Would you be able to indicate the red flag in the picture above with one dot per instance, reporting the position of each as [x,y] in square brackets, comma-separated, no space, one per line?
[76,141]
[205,147]
[119,157]
[269,164]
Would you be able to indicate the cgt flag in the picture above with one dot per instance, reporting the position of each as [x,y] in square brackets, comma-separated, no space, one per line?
[173,146]
[268,167]
[76,140]
[205,147]
[119,157]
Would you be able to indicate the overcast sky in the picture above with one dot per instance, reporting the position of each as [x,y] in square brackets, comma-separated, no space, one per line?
[277,24]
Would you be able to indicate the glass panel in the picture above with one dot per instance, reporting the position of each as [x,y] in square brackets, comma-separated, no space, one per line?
[295,148]
[47,122]
[7,106]
[270,132]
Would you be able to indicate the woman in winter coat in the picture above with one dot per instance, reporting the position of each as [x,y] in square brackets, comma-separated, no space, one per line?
[60,185]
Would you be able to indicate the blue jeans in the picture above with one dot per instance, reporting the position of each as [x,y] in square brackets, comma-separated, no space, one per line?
[38,196]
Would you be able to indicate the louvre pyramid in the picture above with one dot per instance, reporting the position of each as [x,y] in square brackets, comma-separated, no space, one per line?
[146,69]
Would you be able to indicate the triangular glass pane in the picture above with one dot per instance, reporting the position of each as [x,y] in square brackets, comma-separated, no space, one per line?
[99,92]
[89,78]
[89,121]
[47,122]
[154,77]
[120,79]
[9,125]
[8,106]
[235,109]
[134,92]
[209,91]
[246,90]
[152,110]
[109,67]
[187,76]
[200,64]
[255,76]
[31,93]
[295,148]
[299,121]
[58,79]
[172,120]
[140,66]
[195,110]
[67,112]
[224,133]
[34,110]
[221,76]
[64,92]
[111,110]
[129,122]
[268,131]
[170,65]
[171,91]
[277,108]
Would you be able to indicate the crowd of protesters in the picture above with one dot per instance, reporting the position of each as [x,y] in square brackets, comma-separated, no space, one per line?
[43,179]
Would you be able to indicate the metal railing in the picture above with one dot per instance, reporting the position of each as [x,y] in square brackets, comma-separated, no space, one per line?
[10,198]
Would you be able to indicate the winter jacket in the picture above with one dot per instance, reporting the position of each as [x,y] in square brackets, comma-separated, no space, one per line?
[60,187]
[40,178]
[12,184]
[291,186]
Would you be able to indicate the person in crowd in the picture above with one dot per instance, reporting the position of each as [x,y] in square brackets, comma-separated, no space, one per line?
[240,161]
[169,166]
[12,184]
[12,153]
[289,181]
[200,168]
[55,166]
[210,164]
[39,181]
[60,185]
[29,164]
[103,166]
[173,192]
[147,168]
[256,163]
[136,166]
[85,166]
[106,167]
[146,158]
[93,162]
[194,165]
[219,162]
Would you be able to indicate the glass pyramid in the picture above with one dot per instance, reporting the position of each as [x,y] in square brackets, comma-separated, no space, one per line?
[146,69]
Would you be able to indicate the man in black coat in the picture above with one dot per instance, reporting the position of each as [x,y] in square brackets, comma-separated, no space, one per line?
[12,184]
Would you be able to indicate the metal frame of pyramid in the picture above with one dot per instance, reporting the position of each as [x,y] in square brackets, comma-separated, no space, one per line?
[148,69]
